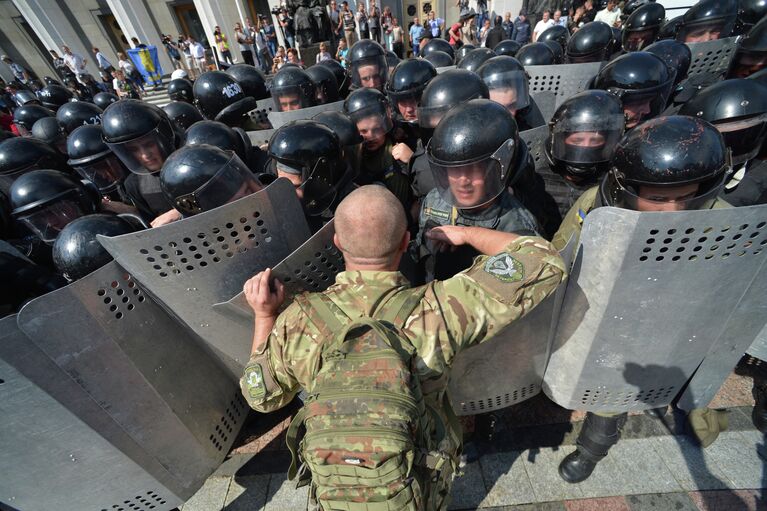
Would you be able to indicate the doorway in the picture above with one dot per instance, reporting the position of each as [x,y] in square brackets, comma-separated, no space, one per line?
[113,32]
[190,22]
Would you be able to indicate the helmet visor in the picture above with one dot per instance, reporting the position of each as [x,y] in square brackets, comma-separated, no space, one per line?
[406,104]
[636,40]
[106,173]
[576,141]
[472,185]
[707,30]
[640,105]
[231,182]
[373,122]
[370,72]
[747,63]
[682,197]
[744,137]
[510,89]
[287,99]
[48,221]
[144,154]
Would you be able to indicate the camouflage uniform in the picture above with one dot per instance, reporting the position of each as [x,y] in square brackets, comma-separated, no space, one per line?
[454,314]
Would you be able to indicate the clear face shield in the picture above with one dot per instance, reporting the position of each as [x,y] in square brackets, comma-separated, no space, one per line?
[744,137]
[370,72]
[145,154]
[746,63]
[406,104]
[287,99]
[105,173]
[704,31]
[640,105]
[232,181]
[316,188]
[473,185]
[586,142]
[510,89]
[47,222]
[373,124]
[636,40]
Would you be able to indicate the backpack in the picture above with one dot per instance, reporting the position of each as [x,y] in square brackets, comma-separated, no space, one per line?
[366,444]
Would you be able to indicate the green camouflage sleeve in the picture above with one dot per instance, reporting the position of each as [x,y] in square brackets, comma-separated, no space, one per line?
[573,220]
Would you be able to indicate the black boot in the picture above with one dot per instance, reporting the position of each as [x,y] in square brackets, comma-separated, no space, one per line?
[759,415]
[485,425]
[597,436]
[656,413]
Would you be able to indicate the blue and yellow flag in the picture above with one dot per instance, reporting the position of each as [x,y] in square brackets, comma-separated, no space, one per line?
[147,63]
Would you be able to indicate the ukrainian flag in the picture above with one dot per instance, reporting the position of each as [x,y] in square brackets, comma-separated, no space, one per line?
[147,63]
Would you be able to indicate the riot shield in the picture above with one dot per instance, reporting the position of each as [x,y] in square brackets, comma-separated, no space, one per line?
[545,102]
[648,299]
[564,80]
[260,114]
[712,57]
[758,348]
[260,137]
[281,118]
[194,263]
[508,368]
[312,267]
[55,434]
[152,377]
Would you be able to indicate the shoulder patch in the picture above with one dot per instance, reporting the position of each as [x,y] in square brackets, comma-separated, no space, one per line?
[254,379]
[436,213]
[505,268]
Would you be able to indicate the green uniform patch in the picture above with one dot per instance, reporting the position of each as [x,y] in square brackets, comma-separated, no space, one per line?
[505,268]
[254,377]
[436,213]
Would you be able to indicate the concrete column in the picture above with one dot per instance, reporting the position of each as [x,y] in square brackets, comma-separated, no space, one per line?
[5,70]
[50,24]
[135,21]
[276,4]
[225,15]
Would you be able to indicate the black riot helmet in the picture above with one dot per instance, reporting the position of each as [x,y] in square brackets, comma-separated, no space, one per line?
[406,85]
[641,80]
[52,132]
[676,55]
[198,178]
[24,117]
[218,135]
[556,49]
[439,58]
[651,157]
[220,98]
[591,43]
[461,52]
[47,200]
[49,80]
[670,28]
[507,47]
[342,76]
[93,160]
[447,90]
[53,96]
[293,89]
[325,84]
[642,27]
[391,61]
[459,152]
[507,82]
[140,134]
[181,89]
[370,111]
[630,6]
[77,113]
[536,54]
[77,252]
[250,79]
[738,109]
[19,155]
[760,76]
[104,99]
[183,114]
[475,58]
[557,33]
[583,134]
[342,126]
[749,14]
[367,64]
[312,151]
[437,44]
[25,97]
[751,55]
[708,20]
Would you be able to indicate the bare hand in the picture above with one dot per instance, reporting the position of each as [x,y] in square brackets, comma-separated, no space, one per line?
[264,302]
[166,218]
[402,152]
[452,235]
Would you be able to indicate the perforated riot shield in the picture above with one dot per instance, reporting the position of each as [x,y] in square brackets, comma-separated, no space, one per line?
[712,57]
[545,103]
[508,368]
[651,297]
[260,137]
[312,267]
[564,80]
[194,263]
[758,348]
[281,118]
[150,376]
[260,114]
[555,185]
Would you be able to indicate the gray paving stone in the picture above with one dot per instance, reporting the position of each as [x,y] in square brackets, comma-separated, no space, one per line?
[738,460]
[661,502]
[210,497]
[542,506]
[541,466]
[247,493]
[284,496]
[468,489]
[693,468]
[505,476]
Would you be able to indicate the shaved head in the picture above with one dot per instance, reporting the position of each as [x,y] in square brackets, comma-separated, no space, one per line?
[370,225]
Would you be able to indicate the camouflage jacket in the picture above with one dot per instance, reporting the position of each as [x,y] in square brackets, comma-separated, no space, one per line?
[454,314]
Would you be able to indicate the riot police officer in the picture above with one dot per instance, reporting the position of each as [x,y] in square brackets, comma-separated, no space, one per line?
[222,136]
[183,114]
[342,76]
[537,54]
[293,89]
[325,84]
[642,27]
[437,44]
[181,89]
[24,117]
[250,79]
[19,155]
[508,85]
[708,20]
[367,65]
[55,95]
[345,129]
[94,161]
[475,58]
[676,55]
[220,98]
[406,85]
[77,113]
[52,132]
[751,55]
[104,99]
[439,58]
[591,43]
[507,47]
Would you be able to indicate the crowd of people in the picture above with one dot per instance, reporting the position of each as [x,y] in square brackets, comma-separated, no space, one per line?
[424,173]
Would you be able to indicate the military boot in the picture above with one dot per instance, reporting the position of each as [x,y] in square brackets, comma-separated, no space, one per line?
[759,415]
[599,433]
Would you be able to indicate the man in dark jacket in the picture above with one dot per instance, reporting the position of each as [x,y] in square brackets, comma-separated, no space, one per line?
[496,34]
[522,30]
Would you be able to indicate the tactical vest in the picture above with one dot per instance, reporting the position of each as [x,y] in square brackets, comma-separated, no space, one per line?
[151,192]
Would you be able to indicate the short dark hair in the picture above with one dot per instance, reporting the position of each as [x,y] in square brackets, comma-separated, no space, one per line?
[498,20]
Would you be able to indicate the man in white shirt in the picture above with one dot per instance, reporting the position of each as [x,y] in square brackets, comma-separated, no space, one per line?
[545,23]
[610,14]
[102,61]
[19,73]
[198,54]
[75,62]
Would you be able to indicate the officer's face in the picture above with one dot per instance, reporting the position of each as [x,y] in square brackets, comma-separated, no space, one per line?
[370,76]
[295,179]
[653,198]
[703,34]
[246,189]
[289,102]
[746,65]
[585,139]
[373,131]
[506,97]
[636,112]
[635,41]
[467,184]
[148,154]
[408,108]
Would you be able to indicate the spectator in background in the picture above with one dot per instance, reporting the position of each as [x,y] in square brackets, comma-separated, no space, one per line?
[183,45]
[279,59]
[397,38]
[589,12]
[293,57]
[59,65]
[198,54]
[102,61]
[508,26]
[559,19]
[335,23]
[455,34]
[172,50]
[244,42]
[225,54]
[123,87]
[610,14]
[348,23]
[386,26]
[19,73]
[324,54]
[286,22]
[482,13]
[483,33]
[416,33]
[343,52]
[469,29]
[522,28]
[496,34]
[75,62]
[129,70]
[374,21]
[545,23]
[463,7]
[262,48]
[362,21]
[270,34]
[435,25]
[136,43]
